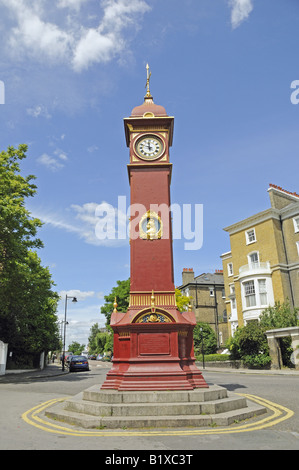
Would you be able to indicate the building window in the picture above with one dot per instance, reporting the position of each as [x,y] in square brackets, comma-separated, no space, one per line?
[223,293]
[211,291]
[250,298]
[296,224]
[297,243]
[230,269]
[262,291]
[253,259]
[250,236]
[233,297]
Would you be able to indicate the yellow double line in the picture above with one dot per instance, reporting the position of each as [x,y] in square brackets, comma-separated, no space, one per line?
[279,413]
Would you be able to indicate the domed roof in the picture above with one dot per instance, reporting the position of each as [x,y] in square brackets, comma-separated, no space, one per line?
[148,109]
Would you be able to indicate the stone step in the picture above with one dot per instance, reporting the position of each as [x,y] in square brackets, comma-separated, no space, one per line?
[79,405]
[95,394]
[58,412]
[96,408]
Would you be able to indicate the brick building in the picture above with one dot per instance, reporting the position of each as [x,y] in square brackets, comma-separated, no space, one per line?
[207,297]
[263,264]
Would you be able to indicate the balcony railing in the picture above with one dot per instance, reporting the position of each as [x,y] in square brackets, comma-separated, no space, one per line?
[258,266]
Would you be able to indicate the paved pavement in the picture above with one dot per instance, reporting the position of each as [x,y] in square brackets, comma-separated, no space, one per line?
[55,369]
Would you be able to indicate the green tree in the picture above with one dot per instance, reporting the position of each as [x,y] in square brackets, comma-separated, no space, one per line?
[76,348]
[92,342]
[249,344]
[182,301]
[279,316]
[122,294]
[204,338]
[28,320]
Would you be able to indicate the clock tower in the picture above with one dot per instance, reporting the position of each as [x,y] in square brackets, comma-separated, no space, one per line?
[153,341]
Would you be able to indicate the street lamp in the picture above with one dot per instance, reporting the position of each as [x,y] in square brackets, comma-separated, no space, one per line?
[74,299]
[202,349]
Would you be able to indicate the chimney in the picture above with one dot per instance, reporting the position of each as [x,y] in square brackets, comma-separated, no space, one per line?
[187,275]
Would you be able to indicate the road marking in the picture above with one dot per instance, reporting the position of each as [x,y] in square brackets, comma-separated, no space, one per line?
[279,414]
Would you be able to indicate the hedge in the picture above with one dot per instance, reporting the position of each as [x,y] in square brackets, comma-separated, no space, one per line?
[213,357]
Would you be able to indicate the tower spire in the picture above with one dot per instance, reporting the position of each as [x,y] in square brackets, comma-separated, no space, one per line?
[148,97]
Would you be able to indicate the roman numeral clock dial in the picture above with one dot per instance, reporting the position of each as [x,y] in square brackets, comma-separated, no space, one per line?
[149,147]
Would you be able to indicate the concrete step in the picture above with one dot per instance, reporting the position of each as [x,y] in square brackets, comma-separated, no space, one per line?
[79,405]
[58,412]
[96,394]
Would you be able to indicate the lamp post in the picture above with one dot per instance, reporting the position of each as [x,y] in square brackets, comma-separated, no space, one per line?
[202,349]
[74,299]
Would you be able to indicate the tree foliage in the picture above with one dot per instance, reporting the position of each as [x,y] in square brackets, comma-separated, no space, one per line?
[28,304]
[250,345]
[122,294]
[76,348]
[99,341]
[182,301]
[279,316]
[204,338]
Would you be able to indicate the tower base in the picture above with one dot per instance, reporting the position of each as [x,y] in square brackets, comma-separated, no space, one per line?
[155,355]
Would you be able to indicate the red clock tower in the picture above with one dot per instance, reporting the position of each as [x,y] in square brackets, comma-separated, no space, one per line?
[153,341]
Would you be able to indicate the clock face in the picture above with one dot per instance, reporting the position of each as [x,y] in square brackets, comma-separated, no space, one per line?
[149,147]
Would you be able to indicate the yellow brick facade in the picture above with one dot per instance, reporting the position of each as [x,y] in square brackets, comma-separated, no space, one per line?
[263,264]
[206,293]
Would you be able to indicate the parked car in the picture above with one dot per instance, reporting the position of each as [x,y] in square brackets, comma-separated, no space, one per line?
[92,357]
[100,357]
[78,363]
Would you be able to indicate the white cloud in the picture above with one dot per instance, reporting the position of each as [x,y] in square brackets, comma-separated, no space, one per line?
[68,40]
[53,163]
[96,224]
[241,10]
[39,110]
[94,47]
[50,162]
[80,295]
[36,37]
[71,4]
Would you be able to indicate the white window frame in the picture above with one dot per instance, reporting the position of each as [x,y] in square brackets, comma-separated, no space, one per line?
[251,263]
[256,293]
[233,299]
[262,288]
[212,291]
[248,240]
[297,243]
[296,224]
[230,269]
[250,295]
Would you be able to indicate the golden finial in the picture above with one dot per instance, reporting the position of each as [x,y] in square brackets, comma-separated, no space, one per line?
[189,307]
[115,306]
[147,86]
[152,299]
[153,308]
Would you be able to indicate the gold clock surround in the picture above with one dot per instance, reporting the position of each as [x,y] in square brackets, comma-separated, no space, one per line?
[149,157]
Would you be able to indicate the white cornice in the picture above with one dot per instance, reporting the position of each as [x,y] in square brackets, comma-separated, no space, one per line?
[253,220]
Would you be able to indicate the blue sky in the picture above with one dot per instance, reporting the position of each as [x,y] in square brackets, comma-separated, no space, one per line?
[73,69]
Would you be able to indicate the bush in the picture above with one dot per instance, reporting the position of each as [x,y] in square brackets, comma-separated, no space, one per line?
[260,361]
[250,345]
[208,335]
[213,357]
